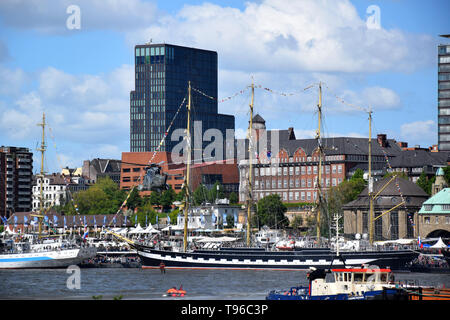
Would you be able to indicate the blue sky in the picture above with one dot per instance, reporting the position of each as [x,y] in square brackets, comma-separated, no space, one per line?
[82,78]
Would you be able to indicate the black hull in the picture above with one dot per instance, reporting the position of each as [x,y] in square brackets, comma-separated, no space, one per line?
[276,260]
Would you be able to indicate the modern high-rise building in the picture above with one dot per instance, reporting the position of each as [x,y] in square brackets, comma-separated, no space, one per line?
[444,96]
[162,72]
[16,170]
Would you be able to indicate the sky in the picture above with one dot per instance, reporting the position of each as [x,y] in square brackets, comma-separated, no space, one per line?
[379,55]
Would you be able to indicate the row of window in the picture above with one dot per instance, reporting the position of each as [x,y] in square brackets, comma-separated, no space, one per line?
[429,207]
[297,183]
[306,196]
[274,171]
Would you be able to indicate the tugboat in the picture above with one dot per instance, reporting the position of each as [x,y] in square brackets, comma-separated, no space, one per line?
[349,284]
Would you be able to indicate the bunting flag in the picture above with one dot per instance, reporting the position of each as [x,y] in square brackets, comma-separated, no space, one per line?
[410,219]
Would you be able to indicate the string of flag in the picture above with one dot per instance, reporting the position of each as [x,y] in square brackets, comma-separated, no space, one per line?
[398,187]
[166,133]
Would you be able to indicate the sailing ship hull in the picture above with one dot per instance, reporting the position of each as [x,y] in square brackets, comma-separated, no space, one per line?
[276,260]
[50,259]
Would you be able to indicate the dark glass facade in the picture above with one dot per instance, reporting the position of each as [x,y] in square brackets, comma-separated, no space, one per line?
[444,97]
[162,72]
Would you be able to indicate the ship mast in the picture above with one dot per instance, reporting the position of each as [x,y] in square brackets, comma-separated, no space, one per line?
[188,165]
[42,173]
[319,108]
[370,187]
[250,171]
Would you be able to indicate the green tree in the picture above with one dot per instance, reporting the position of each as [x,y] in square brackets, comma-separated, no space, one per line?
[104,197]
[214,194]
[233,198]
[167,198]
[134,200]
[425,183]
[155,198]
[200,195]
[270,211]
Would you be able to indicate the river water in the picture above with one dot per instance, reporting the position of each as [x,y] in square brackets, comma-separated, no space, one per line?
[149,284]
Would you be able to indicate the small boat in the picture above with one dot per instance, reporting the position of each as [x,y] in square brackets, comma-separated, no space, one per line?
[349,284]
[174,292]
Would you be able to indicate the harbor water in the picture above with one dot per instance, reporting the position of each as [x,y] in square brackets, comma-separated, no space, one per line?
[150,284]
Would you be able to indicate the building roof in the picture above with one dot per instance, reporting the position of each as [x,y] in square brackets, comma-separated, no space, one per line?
[258,119]
[437,204]
[419,158]
[391,195]
[106,165]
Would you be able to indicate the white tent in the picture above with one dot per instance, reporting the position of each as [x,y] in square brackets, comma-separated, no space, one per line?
[136,230]
[150,229]
[439,244]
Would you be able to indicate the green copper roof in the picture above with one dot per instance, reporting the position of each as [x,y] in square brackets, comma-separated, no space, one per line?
[437,204]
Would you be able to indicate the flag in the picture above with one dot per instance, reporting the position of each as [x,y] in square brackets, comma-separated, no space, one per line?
[15,221]
[202,219]
[235,218]
[65,222]
[157,219]
[125,221]
[25,221]
[146,221]
[135,220]
[74,222]
[95,223]
[104,220]
[114,219]
[85,235]
[168,219]
[224,218]
[55,220]
[84,218]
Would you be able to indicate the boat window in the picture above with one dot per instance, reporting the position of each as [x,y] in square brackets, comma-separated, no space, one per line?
[358,277]
[383,277]
[349,277]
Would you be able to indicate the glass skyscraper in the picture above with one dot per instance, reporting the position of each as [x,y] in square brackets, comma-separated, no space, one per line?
[444,96]
[162,72]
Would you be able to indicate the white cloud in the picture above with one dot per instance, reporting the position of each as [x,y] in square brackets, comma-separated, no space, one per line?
[284,35]
[88,113]
[424,131]
[49,16]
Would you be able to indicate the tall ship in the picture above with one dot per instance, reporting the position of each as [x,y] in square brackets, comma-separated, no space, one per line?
[262,258]
[27,251]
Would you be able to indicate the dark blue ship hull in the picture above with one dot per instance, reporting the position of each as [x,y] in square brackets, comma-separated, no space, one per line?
[249,258]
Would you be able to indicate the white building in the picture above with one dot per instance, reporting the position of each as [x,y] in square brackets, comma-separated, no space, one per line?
[211,217]
[54,191]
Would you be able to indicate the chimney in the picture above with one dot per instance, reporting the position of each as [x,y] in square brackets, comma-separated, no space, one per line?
[402,144]
[381,139]
[291,133]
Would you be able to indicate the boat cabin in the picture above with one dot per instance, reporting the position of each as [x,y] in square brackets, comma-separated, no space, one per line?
[352,281]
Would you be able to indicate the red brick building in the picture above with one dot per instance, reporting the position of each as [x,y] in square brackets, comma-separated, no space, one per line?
[207,173]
